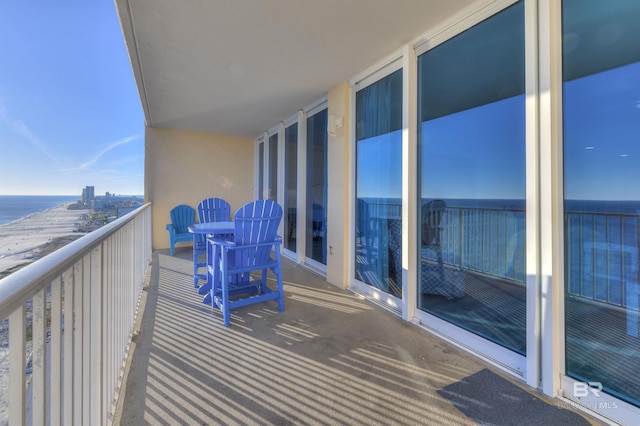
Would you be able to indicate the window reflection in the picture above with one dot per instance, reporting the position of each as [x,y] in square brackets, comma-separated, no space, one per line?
[379,184]
[261,170]
[291,186]
[317,187]
[601,65]
[273,167]
[472,179]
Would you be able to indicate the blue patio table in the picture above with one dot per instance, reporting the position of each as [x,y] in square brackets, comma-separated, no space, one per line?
[200,233]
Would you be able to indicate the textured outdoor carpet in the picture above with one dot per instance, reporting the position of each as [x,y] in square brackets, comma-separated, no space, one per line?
[488,399]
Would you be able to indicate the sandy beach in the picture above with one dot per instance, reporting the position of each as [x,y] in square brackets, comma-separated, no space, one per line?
[20,241]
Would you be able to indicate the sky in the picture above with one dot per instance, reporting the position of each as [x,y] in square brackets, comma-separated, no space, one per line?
[476,153]
[70,115]
[602,135]
[479,153]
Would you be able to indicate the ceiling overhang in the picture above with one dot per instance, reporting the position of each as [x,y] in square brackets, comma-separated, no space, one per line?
[240,67]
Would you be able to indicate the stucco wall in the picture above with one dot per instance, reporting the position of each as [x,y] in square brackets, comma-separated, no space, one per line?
[338,187]
[184,167]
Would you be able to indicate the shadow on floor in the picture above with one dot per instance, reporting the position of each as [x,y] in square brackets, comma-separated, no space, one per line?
[329,358]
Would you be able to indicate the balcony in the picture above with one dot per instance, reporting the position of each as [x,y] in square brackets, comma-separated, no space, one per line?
[155,354]
[330,358]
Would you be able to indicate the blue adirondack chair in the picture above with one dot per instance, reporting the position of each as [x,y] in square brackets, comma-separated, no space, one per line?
[214,210]
[181,217]
[209,210]
[229,263]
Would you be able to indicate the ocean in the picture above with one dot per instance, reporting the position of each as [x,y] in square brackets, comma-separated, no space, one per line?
[16,207]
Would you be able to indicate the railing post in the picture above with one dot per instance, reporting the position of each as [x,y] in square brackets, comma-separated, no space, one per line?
[95,338]
[80,399]
[17,376]
[69,298]
[55,390]
[39,360]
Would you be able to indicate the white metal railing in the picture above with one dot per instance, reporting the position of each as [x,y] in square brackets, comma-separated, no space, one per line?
[72,314]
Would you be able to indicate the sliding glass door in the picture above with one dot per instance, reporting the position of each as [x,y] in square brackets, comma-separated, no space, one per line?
[378,207]
[316,204]
[260,170]
[291,187]
[471,129]
[601,99]
[272,190]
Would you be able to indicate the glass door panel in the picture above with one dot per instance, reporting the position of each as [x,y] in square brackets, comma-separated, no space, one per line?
[316,247]
[472,180]
[291,186]
[273,167]
[378,250]
[261,170]
[601,100]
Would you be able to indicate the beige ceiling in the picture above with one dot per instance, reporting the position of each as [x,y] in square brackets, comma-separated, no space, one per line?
[239,67]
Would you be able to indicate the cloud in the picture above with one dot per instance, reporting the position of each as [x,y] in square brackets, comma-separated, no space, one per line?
[96,158]
[18,126]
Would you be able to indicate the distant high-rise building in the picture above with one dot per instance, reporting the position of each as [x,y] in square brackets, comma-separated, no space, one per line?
[88,195]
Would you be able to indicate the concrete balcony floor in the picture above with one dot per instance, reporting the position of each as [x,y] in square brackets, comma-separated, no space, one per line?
[330,358]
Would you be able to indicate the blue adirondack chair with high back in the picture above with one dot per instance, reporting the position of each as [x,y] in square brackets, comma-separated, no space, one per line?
[182,217]
[255,247]
[214,210]
[211,209]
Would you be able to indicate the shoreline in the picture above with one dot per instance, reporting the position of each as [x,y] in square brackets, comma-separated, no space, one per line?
[30,215]
[22,240]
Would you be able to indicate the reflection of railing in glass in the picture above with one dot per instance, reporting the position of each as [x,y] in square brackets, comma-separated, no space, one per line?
[602,248]
[602,260]
[490,241]
[379,244]
[290,229]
